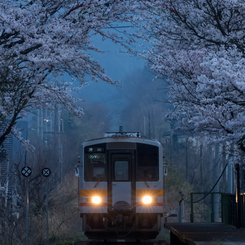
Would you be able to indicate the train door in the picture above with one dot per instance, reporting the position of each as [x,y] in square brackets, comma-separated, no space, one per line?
[120,183]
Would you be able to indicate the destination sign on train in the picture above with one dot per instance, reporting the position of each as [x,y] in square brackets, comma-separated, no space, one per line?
[94,156]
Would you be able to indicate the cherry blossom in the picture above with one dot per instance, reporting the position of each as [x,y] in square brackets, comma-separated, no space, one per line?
[40,41]
[198,47]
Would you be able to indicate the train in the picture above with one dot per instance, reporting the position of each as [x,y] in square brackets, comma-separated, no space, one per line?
[121,187]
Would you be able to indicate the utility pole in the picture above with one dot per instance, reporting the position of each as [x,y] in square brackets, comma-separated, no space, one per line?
[149,119]
[186,157]
[230,171]
[201,167]
[171,144]
[216,188]
[153,124]
[223,164]
[238,199]
[60,157]
[7,184]
[209,160]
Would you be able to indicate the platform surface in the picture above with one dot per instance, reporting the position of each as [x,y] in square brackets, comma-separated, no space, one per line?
[207,233]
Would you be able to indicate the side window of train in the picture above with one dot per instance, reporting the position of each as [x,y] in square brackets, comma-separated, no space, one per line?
[95,163]
[147,163]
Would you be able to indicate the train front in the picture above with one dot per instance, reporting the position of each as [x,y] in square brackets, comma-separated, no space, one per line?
[121,188]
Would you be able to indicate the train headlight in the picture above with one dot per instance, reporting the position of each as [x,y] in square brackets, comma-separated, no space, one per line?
[147,199]
[96,200]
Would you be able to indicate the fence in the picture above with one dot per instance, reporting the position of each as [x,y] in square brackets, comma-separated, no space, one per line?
[229,209]
[207,212]
[226,208]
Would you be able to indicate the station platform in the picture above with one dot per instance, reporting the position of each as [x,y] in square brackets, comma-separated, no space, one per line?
[205,233]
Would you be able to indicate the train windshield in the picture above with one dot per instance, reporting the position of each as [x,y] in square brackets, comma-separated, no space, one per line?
[147,163]
[95,163]
[121,170]
[121,167]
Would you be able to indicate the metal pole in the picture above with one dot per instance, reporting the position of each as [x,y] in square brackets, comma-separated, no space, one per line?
[27,210]
[213,208]
[192,212]
[238,200]
[181,208]
[47,212]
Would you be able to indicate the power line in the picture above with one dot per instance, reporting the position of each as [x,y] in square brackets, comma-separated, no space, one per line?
[116,27]
[211,188]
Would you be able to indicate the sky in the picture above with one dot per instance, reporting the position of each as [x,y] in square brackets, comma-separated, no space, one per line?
[118,65]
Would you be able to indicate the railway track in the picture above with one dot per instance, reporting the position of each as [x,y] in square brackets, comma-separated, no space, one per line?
[122,242]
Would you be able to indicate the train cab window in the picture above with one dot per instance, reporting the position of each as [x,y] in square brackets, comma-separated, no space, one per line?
[94,164]
[147,163]
[121,169]
[98,172]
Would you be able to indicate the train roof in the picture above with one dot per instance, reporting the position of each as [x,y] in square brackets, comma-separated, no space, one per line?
[122,137]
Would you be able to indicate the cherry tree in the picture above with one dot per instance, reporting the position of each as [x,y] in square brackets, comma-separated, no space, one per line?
[198,46]
[41,40]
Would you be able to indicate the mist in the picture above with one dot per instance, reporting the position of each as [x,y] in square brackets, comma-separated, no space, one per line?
[135,90]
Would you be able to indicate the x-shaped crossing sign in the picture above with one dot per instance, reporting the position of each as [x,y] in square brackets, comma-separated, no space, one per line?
[46,172]
[26,171]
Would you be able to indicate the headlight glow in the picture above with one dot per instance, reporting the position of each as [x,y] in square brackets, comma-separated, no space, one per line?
[147,199]
[96,200]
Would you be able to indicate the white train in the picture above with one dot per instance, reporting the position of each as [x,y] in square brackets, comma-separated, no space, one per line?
[121,187]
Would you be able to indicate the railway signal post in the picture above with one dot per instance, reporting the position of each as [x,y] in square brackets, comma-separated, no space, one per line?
[46,173]
[26,172]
